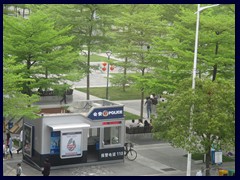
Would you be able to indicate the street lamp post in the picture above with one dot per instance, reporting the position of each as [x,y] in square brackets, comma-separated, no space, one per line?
[194,78]
[108,55]
[84,53]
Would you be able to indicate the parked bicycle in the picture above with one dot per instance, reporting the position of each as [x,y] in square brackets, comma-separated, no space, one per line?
[129,152]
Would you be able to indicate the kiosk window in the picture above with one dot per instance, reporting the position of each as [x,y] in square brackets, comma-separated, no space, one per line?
[112,135]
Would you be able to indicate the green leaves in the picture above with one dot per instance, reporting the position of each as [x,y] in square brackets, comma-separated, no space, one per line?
[211,116]
[16,104]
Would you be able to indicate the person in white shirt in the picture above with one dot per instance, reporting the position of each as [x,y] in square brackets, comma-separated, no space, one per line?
[19,169]
[133,124]
[200,172]
[140,123]
[4,149]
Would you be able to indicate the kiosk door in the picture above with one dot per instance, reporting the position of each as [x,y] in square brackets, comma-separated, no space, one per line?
[93,144]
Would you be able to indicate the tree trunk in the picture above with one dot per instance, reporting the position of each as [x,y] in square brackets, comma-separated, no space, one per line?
[142,102]
[88,55]
[142,96]
[125,75]
[88,71]
[215,65]
[208,161]
[214,72]
[28,90]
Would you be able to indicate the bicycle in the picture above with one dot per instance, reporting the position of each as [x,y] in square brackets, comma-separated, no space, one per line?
[129,152]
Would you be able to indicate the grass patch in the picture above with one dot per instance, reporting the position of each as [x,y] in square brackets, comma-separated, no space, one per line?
[129,116]
[114,93]
[95,58]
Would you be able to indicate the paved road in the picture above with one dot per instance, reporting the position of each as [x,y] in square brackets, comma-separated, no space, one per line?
[154,159]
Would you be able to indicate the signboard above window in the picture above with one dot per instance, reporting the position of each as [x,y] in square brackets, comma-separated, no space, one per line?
[106,113]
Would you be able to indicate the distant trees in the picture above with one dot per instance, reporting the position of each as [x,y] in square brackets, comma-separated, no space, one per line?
[89,24]
[42,50]
[35,56]
[134,30]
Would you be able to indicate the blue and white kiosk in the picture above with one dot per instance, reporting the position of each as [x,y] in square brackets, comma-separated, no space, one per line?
[85,131]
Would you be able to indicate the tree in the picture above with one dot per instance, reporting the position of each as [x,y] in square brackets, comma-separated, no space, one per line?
[89,24]
[134,32]
[35,43]
[213,117]
[172,53]
[16,104]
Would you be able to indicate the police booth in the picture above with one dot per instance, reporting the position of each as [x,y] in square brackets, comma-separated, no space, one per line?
[84,132]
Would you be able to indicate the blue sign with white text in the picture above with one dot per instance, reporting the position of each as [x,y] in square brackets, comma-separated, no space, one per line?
[55,142]
[106,113]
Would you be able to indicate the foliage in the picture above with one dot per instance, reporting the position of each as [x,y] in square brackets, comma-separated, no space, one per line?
[213,116]
[36,44]
[197,120]
[119,79]
[16,104]
[134,30]
[172,54]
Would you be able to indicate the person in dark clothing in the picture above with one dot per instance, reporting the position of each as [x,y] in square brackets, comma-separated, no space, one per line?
[146,123]
[9,143]
[64,98]
[46,168]
[148,103]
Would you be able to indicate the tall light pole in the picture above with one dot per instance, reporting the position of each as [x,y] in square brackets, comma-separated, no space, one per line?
[108,55]
[84,53]
[194,79]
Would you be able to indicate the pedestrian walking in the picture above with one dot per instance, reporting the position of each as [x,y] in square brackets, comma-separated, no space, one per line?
[7,152]
[64,98]
[46,167]
[19,169]
[4,149]
[21,142]
[9,144]
[154,104]
[148,103]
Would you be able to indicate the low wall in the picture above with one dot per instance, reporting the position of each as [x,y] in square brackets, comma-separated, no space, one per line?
[138,130]
[55,98]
